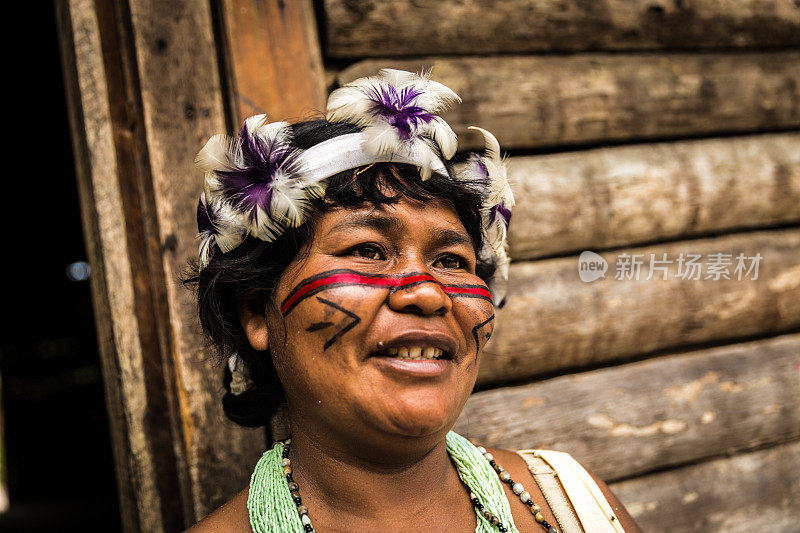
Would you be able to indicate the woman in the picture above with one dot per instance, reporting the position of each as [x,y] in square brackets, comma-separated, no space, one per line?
[345,268]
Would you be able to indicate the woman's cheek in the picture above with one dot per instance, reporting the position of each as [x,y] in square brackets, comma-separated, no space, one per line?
[477,321]
[331,317]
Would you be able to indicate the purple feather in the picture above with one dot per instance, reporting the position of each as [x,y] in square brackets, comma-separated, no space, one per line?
[479,166]
[250,186]
[503,211]
[204,223]
[398,108]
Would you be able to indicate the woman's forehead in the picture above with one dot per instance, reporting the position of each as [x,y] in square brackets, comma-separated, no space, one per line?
[400,217]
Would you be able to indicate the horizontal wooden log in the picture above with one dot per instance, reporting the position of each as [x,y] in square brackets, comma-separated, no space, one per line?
[551,101]
[554,321]
[446,27]
[620,196]
[755,491]
[639,417]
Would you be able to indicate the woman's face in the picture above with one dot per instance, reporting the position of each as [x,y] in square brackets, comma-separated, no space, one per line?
[378,327]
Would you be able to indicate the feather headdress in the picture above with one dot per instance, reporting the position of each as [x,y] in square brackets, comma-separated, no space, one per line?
[498,202]
[257,174]
[218,224]
[399,113]
[257,183]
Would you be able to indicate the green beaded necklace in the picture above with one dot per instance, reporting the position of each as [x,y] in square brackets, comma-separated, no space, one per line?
[272,509]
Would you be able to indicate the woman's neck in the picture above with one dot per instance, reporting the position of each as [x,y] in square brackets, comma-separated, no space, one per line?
[403,482]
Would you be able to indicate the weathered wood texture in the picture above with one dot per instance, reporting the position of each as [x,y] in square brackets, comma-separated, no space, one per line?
[755,491]
[662,412]
[562,100]
[144,93]
[554,321]
[446,27]
[181,108]
[131,365]
[274,58]
[612,197]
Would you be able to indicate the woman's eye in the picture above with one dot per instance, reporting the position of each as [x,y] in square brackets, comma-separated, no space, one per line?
[450,261]
[368,251]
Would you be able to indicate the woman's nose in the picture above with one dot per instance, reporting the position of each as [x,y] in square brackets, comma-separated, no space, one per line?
[425,298]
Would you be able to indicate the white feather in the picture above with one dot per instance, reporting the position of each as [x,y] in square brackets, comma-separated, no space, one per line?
[352,103]
[290,203]
[424,153]
[273,132]
[263,227]
[497,244]
[220,153]
[434,96]
[255,122]
[381,138]
[492,147]
[212,183]
[204,252]
[499,187]
[229,226]
[398,78]
[231,231]
[444,136]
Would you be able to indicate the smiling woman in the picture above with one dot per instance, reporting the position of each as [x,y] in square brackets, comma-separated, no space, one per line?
[350,271]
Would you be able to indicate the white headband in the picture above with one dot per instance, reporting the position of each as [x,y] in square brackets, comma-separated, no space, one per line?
[346,152]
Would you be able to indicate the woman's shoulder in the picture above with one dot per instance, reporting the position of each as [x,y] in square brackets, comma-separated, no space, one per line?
[547,470]
[232,517]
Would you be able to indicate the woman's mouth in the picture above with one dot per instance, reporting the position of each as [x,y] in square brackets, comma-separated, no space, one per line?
[414,353]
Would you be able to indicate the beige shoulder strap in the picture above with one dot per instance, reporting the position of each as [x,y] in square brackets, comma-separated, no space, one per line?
[546,479]
[592,509]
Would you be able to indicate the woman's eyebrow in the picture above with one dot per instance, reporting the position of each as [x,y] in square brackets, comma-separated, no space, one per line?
[390,225]
[382,223]
[449,237]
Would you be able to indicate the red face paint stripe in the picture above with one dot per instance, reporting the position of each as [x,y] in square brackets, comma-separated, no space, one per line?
[355,279]
[352,278]
[476,291]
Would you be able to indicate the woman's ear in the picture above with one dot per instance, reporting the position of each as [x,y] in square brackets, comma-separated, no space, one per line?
[253,316]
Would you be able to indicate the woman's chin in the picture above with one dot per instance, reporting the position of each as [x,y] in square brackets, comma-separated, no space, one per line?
[417,417]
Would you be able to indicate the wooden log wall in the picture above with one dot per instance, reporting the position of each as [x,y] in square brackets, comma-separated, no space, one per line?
[537,101]
[636,129]
[386,28]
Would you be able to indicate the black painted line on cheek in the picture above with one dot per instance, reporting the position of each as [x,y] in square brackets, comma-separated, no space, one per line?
[475,334]
[316,326]
[348,327]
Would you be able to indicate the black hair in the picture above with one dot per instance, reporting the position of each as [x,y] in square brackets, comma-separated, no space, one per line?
[255,267]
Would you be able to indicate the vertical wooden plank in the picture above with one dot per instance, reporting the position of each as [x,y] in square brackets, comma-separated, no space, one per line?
[275,58]
[144,94]
[182,106]
[139,423]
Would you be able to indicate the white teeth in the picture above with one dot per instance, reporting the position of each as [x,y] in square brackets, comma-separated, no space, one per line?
[415,352]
